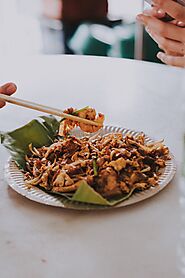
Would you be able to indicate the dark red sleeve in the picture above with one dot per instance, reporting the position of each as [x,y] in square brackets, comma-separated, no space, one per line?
[77,10]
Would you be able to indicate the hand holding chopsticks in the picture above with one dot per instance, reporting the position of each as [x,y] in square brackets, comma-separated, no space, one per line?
[46,109]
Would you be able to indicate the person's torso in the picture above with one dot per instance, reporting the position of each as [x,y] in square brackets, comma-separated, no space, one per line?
[78,10]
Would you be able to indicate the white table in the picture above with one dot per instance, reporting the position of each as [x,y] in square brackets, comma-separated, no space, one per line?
[143,240]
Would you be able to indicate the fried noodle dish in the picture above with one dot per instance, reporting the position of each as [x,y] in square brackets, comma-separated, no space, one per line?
[113,164]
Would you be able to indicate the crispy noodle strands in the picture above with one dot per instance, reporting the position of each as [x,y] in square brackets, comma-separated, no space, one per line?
[112,165]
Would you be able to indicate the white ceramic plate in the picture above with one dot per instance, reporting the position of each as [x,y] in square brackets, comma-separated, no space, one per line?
[15,179]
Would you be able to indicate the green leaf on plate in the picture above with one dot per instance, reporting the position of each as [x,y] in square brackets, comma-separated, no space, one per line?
[40,132]
[86,194]
[51,124]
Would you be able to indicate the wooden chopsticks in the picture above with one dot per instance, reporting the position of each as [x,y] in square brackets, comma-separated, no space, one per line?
[46,109]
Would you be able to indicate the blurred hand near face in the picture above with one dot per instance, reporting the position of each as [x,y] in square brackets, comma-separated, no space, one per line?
[170,36]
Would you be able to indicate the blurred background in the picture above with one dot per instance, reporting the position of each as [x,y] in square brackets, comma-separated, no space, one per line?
[85,27]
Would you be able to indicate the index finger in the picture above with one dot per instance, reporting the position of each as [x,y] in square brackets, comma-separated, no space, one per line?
[174,9]
[166,30]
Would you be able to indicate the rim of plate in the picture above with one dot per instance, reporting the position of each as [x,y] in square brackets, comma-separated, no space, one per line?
[15,179]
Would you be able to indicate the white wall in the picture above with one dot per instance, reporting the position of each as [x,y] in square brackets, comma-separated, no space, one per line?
[125,8]
[19,33]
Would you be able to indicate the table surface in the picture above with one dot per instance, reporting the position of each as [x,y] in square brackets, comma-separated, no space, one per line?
[142,240]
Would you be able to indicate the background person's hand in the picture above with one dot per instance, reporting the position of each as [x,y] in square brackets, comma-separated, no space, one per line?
[7,89]
[169,36]
[160,13]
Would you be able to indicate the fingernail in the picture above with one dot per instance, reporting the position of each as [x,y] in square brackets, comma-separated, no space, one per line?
[147,30]
[160,56]
[139,17]
[160,12]
[180,23]
[11,88]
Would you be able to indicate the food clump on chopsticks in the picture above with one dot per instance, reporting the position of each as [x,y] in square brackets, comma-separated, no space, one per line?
[87,113]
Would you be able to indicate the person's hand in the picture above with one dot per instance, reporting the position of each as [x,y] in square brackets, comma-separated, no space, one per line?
[169,36]
[160,13]
[7,89]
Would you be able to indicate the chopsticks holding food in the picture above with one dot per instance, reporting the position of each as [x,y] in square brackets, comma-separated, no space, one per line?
[47,109]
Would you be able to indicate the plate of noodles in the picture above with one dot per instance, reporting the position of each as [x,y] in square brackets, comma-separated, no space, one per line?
[65,164]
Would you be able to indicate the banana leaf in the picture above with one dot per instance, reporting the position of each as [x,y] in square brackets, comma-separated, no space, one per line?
[42,132]
[86,194]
